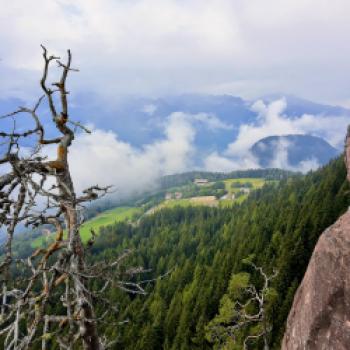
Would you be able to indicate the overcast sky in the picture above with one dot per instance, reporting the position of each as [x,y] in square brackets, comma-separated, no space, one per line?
[247,48]
[156,47]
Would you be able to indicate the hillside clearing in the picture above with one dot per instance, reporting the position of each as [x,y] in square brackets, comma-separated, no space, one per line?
[106,218]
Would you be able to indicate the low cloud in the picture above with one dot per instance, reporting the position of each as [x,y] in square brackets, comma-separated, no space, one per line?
[217,163]
[104,158]
[211,121]
[280,159]
[149,109]
[273,121]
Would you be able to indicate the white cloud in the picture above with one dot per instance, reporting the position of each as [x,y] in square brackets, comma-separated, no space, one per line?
[170,46]
[272,121]
[105,159]
[306,165]
[281,161]
[149,109]
[211,121]
[216,162]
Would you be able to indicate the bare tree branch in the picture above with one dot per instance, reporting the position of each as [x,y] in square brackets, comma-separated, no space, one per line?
[36,192]
[251,312]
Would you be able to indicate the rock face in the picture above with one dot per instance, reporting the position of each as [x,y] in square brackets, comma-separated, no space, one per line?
[320,315]
[347,152]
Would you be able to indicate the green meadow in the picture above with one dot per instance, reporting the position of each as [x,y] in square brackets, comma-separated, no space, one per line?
[118,214]
[106,218]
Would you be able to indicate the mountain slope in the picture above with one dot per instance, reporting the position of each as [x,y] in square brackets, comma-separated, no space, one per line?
[297,106]
[319,317]
[320,312]
[192,253]
[202,247]
[295,149]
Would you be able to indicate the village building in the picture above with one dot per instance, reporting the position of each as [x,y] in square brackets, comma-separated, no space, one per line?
[201,182]
[178,195]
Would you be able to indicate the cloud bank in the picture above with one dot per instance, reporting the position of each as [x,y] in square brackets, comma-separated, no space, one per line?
[272,121]
[104,158]
[157,47]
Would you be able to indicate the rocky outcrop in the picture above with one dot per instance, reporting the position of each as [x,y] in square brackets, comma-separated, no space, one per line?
[320,315]
[347,152]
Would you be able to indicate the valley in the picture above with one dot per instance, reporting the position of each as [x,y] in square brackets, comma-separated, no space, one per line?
[108,217]
[190,250]
[202,249]
[174,175]
[207,193]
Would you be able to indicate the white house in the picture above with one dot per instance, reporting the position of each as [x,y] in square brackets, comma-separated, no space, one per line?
[201,182]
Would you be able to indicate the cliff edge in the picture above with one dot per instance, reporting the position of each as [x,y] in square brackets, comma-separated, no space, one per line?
[320,316]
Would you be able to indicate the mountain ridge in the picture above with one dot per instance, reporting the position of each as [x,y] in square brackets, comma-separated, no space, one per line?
[296,148]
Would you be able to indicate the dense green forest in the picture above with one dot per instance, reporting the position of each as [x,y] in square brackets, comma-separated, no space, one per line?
[185,178]
[150,198]
[202,248]
[197,255]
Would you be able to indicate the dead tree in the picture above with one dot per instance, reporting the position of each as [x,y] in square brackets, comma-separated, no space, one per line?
[240,316]
[257,298]
[37,191]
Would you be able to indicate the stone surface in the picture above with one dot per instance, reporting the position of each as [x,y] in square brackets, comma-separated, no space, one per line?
[320,315]
[347,152]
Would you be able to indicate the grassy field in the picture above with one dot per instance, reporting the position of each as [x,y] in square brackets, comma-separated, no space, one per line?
[127,213]
[208,200]
[256,182]
[184,202]
[104,219]
[193,201]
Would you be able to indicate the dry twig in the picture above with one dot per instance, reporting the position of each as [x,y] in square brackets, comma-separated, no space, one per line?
[60,273]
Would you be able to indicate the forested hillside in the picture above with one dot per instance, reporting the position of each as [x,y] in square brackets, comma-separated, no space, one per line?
[185,178]
[151,200]
[201,248]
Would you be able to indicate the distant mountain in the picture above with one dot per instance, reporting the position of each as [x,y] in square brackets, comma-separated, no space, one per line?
[294,149]
[140,121]
[297,106]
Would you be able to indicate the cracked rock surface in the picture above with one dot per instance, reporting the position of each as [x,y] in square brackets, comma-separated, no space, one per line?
[320,315]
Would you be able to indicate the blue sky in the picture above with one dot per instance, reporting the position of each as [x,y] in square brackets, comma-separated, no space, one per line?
[155,47]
